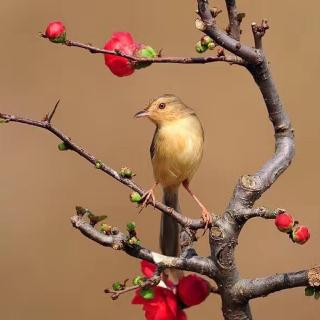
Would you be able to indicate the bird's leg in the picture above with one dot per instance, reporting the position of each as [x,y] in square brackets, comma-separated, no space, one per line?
[146,196]
[206,216]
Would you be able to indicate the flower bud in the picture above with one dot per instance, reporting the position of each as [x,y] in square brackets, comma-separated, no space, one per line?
[117,286]
[205,40]
[300,234]
[211,45]
[138,280]
[200,48]
[134,241]
[135,197]
[98,164]
[317,294]
[193,290]
[131,226]
[144,52]
[284,222]
[63,146]
[147,293]
[105,228]
[126,173]
[56,32]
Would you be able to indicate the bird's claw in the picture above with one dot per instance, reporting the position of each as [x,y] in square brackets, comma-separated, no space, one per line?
[207,219]
[145,199]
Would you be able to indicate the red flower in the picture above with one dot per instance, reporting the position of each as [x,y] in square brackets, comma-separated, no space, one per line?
[123,42]
[300,234]
[56,32]
[147,268]
[192,290]
[163,306]
[284,222]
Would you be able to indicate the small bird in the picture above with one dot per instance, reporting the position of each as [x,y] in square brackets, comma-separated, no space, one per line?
[176,152]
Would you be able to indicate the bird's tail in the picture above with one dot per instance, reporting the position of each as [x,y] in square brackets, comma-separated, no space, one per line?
[170,229]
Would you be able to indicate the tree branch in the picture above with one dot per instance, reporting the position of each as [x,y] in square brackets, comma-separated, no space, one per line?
[260,212]
[210,27]
[259,32]
[119,241]
[180,60]
[234,19]
[247,289]
[250,188]
[45,124]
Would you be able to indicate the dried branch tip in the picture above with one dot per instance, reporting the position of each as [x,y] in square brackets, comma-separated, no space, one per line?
[314,276]
[260,30]
[200,25]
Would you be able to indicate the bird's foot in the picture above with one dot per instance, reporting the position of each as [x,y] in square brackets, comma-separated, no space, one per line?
[207,219]
[146,198]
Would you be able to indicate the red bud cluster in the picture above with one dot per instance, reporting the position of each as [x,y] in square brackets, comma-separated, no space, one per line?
[286,223]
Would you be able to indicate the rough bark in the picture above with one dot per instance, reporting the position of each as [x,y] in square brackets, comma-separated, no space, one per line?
[220,266]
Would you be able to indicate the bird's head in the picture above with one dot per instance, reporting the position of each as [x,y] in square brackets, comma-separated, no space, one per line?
[164,109]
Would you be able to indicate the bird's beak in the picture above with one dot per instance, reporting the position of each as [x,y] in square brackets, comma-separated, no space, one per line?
[142,113]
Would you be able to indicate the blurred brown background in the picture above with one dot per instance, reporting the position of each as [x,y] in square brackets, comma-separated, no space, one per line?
[50,271]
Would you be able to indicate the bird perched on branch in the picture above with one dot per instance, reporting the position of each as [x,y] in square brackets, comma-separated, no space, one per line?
[176,152]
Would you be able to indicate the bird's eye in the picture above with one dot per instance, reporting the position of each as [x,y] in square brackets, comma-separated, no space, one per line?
[162,105]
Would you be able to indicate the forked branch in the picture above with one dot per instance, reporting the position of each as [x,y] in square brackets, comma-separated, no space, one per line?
[119,241]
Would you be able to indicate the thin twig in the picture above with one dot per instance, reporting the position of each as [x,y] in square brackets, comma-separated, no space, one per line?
[181,219]
[50,116]
[180,60]
[150,282]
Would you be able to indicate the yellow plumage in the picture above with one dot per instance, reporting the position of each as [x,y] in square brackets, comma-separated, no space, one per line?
[176,152]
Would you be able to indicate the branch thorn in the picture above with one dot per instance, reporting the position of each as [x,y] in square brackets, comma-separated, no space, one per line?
[49,117]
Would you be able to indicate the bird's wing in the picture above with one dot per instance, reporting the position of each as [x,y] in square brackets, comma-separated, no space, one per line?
[153,144]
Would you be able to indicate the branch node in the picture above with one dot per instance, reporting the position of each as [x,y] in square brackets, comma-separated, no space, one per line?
[200,25]
[251,183]
[314,276]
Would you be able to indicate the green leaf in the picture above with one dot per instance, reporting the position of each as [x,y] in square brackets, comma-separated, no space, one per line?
[81,211]
[95,219]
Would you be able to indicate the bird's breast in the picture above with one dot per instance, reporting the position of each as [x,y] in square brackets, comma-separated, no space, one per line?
[178,151]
